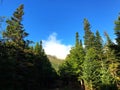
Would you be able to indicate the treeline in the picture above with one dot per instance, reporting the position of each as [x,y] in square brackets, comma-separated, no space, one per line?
[22,67]
[96,65]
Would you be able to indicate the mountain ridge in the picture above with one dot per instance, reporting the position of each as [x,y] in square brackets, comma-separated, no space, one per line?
[56,62]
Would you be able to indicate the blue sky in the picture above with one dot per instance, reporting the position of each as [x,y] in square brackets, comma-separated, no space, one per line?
[62,18]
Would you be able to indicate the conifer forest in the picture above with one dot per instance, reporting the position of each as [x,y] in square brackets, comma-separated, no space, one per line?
[91,64]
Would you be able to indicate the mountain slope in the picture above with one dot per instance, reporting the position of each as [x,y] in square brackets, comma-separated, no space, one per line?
[55,61]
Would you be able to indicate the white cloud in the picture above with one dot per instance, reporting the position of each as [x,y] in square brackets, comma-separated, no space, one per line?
[54,47]
[114,41]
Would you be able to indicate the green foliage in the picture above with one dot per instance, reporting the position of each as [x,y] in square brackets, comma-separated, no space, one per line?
[15,31]
[106,77]
[112,60]
[77,43]
[91,66]
[71,69]
[86,65]
[98,43]
[24,67]
[89,38]
[66,71]
[38,50]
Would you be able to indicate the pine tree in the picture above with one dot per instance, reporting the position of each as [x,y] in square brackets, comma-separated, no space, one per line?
[15,31]
[109,65]
[77,39]
[72,68]
[16,55]
[22,67]
[91,66]
[89,38]
[44,72]
[98,41]
[98,45]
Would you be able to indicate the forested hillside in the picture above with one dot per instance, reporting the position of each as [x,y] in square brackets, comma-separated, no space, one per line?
[55,61]
[91,65]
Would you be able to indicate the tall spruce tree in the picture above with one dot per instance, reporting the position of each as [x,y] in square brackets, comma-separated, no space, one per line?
[16,57]
[72,68]
[98,41]
[15,31]
[89,38]
[98,45]
[108,66]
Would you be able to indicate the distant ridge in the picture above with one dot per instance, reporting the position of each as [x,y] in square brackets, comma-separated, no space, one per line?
[55,61]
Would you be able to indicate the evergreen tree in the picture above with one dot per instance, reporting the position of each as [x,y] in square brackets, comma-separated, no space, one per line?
[109,65]
[77,40]
[16,54]
[44,72]
[98,42]
[91,66]
[15,31]
[89,38]
[107,80]
[98,45]
[72,68]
